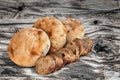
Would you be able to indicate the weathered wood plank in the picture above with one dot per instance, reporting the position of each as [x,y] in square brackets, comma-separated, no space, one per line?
[16,21]
[101,20]
[93,31]
[33,9]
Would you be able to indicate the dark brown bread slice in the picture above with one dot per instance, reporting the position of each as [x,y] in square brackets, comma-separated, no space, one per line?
[45,65]
[75,49]
[58,60]
[85,45]
[67,55]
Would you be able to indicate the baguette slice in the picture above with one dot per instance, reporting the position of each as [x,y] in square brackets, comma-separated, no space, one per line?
[85,45]
[58,60]
[67,55]
[45,65]
[74,48]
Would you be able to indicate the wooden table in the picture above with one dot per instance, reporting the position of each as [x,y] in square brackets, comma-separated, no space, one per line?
[101,20]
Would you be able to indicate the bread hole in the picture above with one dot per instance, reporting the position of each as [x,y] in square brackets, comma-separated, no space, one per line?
[50,33]
[71,43]
[63,55]
[74,52]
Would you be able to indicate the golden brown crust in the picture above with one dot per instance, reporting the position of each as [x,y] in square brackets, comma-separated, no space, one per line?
[74,29]
[27,45]
[45,65]
[55,30]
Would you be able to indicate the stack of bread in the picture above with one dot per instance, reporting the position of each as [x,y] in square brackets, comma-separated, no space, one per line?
[49,44]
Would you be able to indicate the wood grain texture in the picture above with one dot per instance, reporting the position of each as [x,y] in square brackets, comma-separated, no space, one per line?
[101,20]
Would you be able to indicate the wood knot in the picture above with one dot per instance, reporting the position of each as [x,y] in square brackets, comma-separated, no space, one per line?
[95,22]
[21,7]
[14,29]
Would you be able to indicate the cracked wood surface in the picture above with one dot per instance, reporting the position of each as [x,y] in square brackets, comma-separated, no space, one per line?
[101,20]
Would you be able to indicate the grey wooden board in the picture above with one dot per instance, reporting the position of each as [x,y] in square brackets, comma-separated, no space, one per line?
[101,20]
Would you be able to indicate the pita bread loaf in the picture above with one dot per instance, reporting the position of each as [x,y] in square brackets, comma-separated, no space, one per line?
[27,45]
[55,30]
[74,29]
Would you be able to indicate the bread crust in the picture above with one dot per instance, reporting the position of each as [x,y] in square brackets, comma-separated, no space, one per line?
[55,30]
[27,45]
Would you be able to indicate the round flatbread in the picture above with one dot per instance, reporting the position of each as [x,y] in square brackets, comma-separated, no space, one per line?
[55,30]
[74,29]
[27,45]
